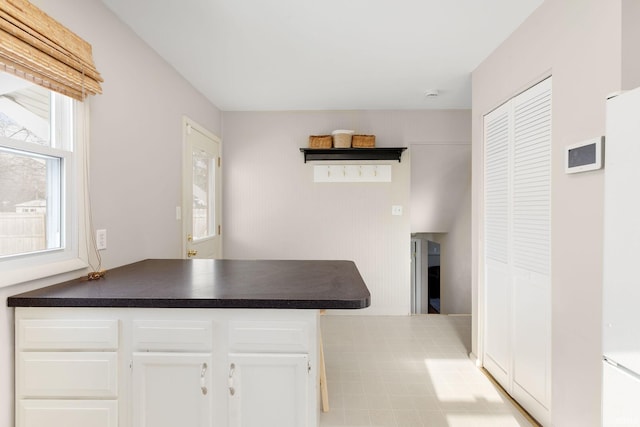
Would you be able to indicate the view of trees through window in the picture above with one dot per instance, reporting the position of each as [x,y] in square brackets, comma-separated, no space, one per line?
[29,175]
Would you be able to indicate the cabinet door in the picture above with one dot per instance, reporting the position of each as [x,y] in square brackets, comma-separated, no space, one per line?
[172,389]
[268,390]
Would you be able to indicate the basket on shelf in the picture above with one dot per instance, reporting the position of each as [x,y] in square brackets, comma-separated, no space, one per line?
[342,138]
[320,141]
[363,141]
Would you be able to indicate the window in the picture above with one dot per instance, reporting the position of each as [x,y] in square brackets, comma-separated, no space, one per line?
[40,181]
[42,157]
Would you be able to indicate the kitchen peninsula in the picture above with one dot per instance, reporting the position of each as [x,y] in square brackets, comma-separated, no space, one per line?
[179,342]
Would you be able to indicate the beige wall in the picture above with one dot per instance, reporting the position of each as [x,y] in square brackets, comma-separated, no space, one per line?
[136,148]
[579,43]
[441,203]
[456,260]
[630,44]
[273,209]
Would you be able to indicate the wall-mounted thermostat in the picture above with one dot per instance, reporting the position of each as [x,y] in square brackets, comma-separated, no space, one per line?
[585,156]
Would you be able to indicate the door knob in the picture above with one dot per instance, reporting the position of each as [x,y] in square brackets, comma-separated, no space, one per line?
[192,252]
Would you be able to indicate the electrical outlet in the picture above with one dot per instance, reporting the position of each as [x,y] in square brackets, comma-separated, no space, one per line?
[396,210]
[101,239]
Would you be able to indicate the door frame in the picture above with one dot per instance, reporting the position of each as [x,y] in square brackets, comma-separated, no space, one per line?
[186,124]
[416,275]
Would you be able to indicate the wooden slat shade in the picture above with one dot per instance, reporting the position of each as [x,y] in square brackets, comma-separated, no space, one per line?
[36,47]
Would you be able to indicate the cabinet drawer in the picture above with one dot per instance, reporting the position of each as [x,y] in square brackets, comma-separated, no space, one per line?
[67,413]
[172,335]
[60,334]
[268,336]
[67,374]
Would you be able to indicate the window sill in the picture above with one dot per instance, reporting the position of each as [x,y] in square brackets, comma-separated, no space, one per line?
[27,274]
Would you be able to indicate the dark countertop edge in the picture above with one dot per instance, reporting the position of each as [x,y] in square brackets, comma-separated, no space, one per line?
[188,303]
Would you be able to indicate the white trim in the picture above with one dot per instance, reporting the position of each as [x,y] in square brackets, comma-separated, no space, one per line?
[373,311]
[187,125]
[74,255]
[26,274]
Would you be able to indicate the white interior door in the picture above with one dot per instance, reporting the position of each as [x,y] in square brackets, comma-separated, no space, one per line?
[202,193]
[517,252]
[531,249]
[497,187]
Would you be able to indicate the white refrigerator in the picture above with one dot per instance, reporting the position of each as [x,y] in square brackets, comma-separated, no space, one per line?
[621,281]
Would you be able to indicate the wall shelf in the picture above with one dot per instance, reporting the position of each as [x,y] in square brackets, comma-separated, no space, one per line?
[381,153]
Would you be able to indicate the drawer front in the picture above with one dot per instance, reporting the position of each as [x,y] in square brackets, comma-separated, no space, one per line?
[67,374]
[60,334]
[172,335]
[268,336]
[67,413]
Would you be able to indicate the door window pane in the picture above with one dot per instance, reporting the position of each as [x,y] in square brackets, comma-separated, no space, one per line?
[203,200]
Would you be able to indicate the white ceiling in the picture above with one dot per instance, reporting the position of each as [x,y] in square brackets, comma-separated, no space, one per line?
[326,54]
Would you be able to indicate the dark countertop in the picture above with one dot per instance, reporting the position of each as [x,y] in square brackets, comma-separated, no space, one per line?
[207,283]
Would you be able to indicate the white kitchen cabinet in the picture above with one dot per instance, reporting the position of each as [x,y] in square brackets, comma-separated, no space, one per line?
[172,365]
[171,389]
[139,367]
[271,380]
[268,390]
[67,370]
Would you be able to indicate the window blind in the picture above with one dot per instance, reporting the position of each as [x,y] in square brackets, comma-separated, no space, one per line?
[37,48]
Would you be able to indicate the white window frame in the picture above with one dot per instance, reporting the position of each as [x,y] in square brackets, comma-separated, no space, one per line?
[73,255]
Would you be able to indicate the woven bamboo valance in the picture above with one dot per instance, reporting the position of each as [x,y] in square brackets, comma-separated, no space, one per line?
[36,47]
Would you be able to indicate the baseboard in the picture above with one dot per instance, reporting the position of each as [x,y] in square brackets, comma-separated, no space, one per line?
[475,359]
[515,403]
[372,311]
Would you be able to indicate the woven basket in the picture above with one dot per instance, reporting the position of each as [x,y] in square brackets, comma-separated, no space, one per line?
[342,138]
[320,141]
[363,141]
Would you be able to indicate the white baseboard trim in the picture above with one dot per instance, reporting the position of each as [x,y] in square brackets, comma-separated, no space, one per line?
[475,359]
[372,311]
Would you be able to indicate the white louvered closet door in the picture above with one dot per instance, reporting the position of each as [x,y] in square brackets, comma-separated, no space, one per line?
[497,342]
[518,221]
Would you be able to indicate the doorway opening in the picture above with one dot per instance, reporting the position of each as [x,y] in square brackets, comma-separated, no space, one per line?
[433,276]
[425,276]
